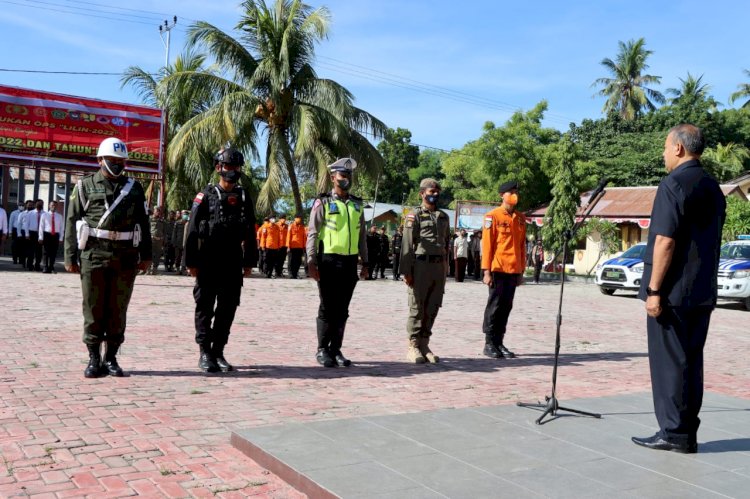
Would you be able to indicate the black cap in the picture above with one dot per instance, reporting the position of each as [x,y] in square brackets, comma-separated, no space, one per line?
[508,186]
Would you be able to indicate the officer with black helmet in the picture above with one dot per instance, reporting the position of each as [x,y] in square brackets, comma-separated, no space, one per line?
[220,250]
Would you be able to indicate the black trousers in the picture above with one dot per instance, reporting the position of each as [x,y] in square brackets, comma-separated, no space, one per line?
[280,259]
[499,305]
[16,246]
[461,269]
[271,255]
[477,266]
[470,264]
[382,264]
[50,243]
[295,260]
[262,260]
[451,265]
[675,354]
[396,263]
[538,271]
[217,296]
[338,278]
[33,251]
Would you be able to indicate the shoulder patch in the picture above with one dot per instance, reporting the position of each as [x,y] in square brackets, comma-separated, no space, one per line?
[198,198]
[487,222]
[410,216]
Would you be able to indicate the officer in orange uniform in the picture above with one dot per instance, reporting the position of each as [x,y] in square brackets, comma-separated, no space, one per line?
[281,257]
[272,243]
[503,263]
[296,240]
[262,245]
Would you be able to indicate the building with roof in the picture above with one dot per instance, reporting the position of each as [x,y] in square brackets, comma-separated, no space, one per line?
[743,182]
[391,215]
[627,207]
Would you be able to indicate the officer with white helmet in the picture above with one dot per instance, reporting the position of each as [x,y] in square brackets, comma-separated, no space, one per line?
[107,221]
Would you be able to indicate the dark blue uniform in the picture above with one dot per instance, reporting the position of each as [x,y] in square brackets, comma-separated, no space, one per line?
[689,208]
[220,243]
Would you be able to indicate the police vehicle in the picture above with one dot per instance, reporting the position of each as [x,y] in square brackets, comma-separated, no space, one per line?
[734,271]
[623,272]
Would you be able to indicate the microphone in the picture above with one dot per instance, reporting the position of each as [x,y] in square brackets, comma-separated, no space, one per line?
[598,190]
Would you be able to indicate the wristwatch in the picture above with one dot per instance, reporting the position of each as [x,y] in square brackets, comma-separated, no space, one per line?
[652,292]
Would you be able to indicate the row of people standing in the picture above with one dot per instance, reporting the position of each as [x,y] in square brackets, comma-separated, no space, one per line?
[380,252]
[35,234]
[277,240]
[168,237]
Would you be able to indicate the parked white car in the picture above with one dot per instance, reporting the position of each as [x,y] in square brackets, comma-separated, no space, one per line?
[623,272]
[734,271]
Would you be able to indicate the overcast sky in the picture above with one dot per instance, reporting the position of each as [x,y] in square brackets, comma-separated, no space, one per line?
[439,68]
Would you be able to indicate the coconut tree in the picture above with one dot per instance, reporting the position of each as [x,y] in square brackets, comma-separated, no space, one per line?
[691,92]
[744,91]
[626,91]
[268,89]
[181,103]
[726,161]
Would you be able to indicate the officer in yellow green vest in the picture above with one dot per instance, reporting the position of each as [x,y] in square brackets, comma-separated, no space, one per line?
[335,242]
[108,223]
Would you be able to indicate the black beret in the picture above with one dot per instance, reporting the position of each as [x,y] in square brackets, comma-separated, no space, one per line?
[508,186]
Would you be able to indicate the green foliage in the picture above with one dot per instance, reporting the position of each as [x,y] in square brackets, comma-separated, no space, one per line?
[520,150]
[566,199]
[725,161]
[430,166]
[738,218]
[742,92]
[626,91]
[399,157]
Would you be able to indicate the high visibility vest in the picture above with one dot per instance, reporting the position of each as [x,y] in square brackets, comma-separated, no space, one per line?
[340,230]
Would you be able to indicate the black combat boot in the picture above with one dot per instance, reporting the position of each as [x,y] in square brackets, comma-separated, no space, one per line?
[224,366]
[93,369]
[207,362]
[110,361]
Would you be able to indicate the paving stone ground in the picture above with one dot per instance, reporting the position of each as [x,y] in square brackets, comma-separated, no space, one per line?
[164,430]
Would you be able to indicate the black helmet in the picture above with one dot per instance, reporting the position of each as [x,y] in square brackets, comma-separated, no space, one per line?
[230,156]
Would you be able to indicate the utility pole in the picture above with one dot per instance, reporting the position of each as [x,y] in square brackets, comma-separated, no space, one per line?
[164,28]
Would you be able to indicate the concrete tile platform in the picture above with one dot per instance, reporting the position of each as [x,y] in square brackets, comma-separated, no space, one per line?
[498,451]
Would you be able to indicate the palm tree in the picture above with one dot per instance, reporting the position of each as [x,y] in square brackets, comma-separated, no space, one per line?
[744,91]
[691,92]
[269,89]
[626,92]
[726,161]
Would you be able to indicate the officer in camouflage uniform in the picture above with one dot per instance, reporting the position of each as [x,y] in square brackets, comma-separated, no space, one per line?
[219,250]
[108,222]
[158,233]
[335,239]
[424,264]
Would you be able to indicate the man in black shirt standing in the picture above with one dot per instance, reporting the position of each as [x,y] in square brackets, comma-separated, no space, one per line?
[679,287]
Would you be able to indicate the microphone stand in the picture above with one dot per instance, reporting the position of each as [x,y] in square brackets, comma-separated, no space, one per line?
[552,405]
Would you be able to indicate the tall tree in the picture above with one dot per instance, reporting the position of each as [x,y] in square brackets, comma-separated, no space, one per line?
[268,88]
[744,91]
[692,91]
[399,156]
[626,91]
[560,216]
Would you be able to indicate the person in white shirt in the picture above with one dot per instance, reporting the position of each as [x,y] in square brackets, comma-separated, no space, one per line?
[22,237]
[15,244]
[461,255]
[3,229]
[31,232]
[51,229]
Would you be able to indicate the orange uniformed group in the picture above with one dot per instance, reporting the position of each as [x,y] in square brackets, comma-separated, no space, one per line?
[276,239]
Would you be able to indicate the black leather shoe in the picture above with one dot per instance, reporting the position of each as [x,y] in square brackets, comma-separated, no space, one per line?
[658,443]
[224,366]
[324,358]
[342,361]
[491,351]
[112,368]
[207,363]
[506,352]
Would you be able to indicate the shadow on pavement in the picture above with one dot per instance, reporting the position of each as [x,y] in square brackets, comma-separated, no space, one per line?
[730,445]
[389,369]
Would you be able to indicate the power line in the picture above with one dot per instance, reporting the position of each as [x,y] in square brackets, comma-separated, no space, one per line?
[87,73]
[125,8]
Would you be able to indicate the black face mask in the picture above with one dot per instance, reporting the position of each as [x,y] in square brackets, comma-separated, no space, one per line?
[344,184]
[432,199]
[114,169]
[231,176]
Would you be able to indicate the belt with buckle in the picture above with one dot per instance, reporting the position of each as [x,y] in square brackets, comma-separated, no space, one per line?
[430,258]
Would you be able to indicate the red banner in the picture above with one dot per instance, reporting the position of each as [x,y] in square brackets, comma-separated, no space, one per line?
[65,131]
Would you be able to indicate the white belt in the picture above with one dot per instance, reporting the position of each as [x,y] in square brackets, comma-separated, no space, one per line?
[110,234]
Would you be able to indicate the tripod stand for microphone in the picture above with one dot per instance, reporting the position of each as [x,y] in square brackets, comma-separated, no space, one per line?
[552,405]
